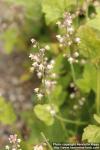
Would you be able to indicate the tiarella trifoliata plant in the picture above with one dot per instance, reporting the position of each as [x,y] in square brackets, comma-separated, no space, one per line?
[79,87]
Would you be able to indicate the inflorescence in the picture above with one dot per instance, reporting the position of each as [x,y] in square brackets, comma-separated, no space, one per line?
[44,69]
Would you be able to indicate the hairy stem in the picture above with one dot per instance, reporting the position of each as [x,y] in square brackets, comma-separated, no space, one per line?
[73,72]
[70,121]
[50,147]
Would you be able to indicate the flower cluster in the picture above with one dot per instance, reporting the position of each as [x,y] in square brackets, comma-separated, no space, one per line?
[44,69]
[68,39]
[14,143]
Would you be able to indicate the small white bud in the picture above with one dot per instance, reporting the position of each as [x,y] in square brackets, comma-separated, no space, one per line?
[52,62]
[18,140]
[42,49]
[7,147]
[52,112]
[71,60]
[33,40]
[76,54]
[35,64]
[69,43]
[47,47]
[72,85]
[39,74]
[76,61]
[39,95]
[72,95]
[36,90]
[53,75]
[77,40]
[58,23]
[58,36]
[50,66]
[41,67]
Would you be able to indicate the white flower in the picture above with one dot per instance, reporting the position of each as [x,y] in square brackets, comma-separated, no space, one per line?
[36,58]
[58,36]
[36,90]
[71,60]
[52,62]
[42,49]
[39,74]
[72,95]
[47,83]
[35,64]
[32,40]
[35,45]
[61,40]
[14,149]
[7,147]
[41,67]
[18,140]
[50,66]
[47,47]
[77,40]
[76,61]
[76,54]
[58,23]
[53,75]
[31,56]
[39,95]
[72,85]
[52,112]
[70,30]
[69,43]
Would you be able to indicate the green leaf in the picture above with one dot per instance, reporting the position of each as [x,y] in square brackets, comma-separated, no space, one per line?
[97,118]
[90,43]
[92,134]
[58,95]
[43,113]
[54,9]
[7,114]
[95,23]
[88,81]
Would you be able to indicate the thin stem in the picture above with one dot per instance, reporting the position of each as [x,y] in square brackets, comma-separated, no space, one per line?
[50,147]
[98,92]
[70,121]
[73,72]
[87,9]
